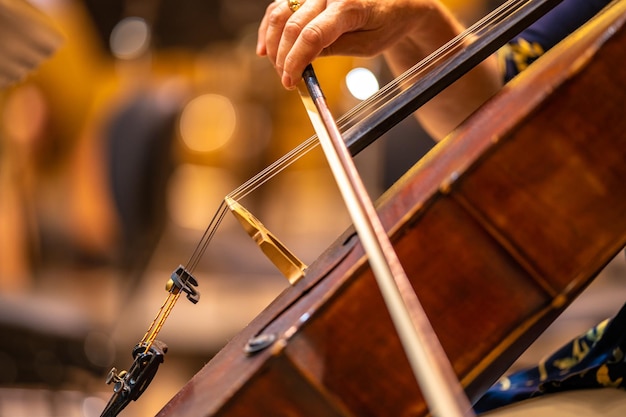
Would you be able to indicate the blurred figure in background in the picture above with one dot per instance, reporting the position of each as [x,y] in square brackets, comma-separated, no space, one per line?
[48,124]
[84,156]
[28,37]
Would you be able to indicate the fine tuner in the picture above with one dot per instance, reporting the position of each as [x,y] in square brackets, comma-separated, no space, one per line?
[360,127]
[149,353]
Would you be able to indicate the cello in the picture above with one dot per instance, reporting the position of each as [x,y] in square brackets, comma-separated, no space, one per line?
[499,228]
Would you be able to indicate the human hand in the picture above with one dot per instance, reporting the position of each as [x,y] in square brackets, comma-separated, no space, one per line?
[292,40]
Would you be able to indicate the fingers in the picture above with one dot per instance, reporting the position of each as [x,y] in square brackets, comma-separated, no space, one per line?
[273,21]
[280,27]
[311,35]
[292,55]
[292,40]
[279,30]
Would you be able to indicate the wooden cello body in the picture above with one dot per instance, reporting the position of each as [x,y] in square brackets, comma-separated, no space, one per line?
[499,228]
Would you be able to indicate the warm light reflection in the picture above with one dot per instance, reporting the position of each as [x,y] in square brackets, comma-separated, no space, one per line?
[195,193]
[130,38]
[362,83]
[207,122]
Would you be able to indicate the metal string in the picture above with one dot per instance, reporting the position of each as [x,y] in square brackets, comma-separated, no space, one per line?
[383,95]
[471,34]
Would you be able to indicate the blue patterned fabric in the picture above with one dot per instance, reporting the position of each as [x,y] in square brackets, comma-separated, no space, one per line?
[535,40]
[595,359]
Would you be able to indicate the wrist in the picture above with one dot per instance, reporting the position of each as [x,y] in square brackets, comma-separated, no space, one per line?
[432,26]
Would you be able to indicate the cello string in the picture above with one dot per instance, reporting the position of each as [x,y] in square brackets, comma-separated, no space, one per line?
[244,190]
[383,95]
[206,238]
[502,12]
[273,169]
[409,77]
[478,29]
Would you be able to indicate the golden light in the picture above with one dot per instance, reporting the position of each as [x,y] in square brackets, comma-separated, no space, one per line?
[208,122]
[361,83]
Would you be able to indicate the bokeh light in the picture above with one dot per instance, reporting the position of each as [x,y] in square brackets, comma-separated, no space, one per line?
[362,83]
[208,122]
[130,38]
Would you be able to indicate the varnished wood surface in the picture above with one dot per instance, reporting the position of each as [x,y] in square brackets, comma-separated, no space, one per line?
[499,228]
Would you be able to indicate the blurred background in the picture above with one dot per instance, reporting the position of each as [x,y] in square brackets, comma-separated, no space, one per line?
[115,154]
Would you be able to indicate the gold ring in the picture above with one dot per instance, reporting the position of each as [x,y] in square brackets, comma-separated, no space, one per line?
[293,5]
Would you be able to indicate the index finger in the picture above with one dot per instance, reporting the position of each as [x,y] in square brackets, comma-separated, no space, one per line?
[315,36]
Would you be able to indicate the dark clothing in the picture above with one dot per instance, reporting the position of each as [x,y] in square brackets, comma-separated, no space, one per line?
[535,40]
[592,360]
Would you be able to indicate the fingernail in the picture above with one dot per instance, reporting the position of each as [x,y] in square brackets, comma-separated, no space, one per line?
[287,81]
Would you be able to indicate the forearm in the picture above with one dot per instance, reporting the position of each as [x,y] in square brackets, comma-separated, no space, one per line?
[448,109]
[452,106]
[406,31]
